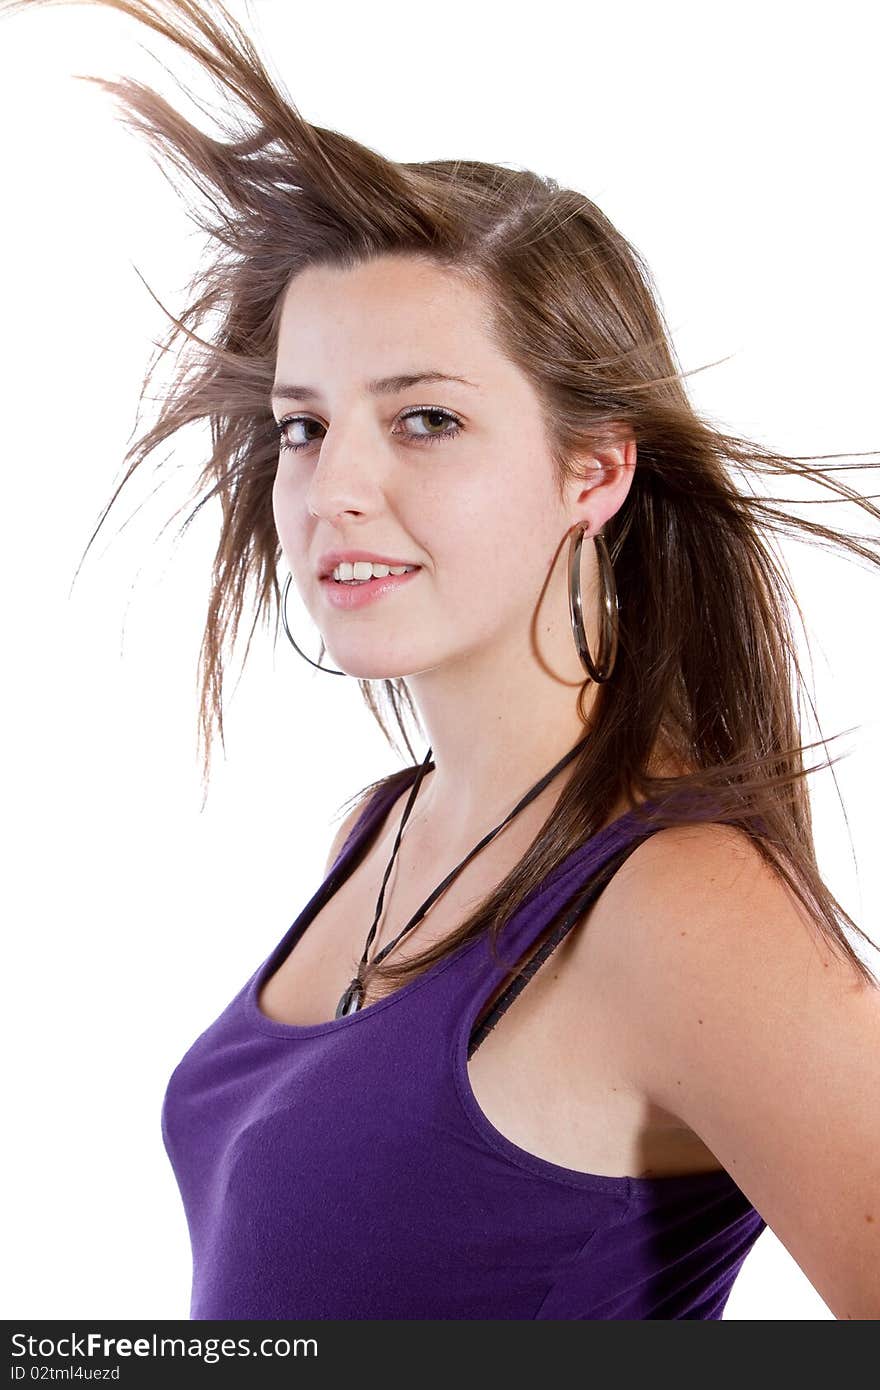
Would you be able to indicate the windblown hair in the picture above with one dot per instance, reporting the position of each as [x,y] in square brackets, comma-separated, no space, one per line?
[706,664]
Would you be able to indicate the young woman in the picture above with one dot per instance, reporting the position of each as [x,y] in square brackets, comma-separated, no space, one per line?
[571,1016]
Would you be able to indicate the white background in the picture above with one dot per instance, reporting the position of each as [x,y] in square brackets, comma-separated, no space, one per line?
[732,144]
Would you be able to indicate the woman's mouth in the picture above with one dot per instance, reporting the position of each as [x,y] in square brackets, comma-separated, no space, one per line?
[357,593]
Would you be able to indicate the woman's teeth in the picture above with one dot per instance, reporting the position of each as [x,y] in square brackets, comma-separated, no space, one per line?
[361,571]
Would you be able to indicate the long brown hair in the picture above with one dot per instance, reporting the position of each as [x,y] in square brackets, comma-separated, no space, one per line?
[706,664]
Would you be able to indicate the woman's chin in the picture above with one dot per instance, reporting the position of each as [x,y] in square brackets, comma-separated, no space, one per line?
[368,667]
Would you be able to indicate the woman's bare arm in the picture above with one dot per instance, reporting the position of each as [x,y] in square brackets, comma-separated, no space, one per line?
[741,1021]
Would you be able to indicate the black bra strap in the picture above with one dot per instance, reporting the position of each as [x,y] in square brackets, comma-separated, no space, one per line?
[571,915]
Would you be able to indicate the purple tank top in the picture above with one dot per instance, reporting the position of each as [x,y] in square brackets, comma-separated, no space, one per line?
[344,1169]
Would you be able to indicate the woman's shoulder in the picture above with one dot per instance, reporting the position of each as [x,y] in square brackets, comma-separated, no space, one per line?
[686,937]
[693,878]
[366,798]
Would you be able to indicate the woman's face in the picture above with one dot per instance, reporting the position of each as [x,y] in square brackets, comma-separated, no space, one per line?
[452,477]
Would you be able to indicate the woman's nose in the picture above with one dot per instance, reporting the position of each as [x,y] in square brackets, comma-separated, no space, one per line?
[348,475]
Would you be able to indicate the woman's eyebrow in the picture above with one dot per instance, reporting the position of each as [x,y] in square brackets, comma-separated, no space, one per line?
[382,386]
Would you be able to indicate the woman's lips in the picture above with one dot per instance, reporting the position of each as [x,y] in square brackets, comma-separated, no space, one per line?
[357,595]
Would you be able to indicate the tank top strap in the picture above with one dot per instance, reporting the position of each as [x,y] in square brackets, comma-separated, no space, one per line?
[375,807]
[547,915]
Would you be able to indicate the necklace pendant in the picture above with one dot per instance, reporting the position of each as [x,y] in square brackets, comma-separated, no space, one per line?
[351,999]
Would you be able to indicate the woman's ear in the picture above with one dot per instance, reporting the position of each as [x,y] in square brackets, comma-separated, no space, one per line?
[604,479]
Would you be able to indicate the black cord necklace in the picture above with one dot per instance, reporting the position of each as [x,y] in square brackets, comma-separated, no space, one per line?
[353,995]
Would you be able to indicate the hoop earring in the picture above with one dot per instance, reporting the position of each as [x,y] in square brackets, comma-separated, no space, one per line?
[330,669]
[608,606]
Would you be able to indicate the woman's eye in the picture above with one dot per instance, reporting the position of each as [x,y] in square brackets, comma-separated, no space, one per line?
[438,427]
[289,423]
[435,416]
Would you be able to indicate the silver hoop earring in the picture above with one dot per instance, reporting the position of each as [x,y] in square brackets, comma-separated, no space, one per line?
[330,669]
[608,606]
